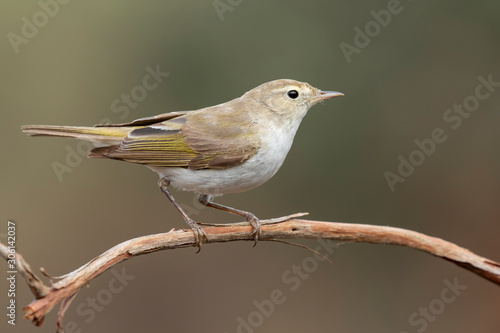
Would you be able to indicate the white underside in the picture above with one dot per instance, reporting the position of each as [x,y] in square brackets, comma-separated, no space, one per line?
[252,173]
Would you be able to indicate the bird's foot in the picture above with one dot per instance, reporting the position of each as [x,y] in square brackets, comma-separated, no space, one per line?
[257,226]
[199,233]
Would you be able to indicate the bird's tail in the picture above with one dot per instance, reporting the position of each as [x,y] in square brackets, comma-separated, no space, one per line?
[100,136]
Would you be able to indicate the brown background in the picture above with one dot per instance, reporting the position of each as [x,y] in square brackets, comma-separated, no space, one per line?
[396,91]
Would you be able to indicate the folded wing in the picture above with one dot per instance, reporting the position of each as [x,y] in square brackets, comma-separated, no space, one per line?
[176,143]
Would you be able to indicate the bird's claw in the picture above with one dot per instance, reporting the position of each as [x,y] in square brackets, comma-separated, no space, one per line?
[199,233]
[257,227]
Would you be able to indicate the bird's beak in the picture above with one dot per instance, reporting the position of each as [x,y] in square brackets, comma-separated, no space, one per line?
[328,94]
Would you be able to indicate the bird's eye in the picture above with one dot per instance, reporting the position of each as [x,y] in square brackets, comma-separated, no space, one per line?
[293,94]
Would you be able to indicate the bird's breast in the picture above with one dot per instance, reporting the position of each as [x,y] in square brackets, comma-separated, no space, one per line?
[275,143]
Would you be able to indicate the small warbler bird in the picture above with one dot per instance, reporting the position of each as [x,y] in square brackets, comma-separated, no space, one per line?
[227,148]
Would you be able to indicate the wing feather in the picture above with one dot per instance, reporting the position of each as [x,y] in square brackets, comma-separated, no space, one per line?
[148,120]
[173,143]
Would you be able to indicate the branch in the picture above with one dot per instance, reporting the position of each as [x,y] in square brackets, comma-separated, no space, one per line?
[22,267]
[65,289]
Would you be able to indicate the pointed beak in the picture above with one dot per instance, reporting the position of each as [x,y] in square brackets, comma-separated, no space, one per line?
[328,94]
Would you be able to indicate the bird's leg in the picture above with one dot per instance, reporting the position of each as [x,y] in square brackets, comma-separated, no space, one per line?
[206,200]
[199,233]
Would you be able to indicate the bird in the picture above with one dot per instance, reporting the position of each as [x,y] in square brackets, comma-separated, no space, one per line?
[227,148]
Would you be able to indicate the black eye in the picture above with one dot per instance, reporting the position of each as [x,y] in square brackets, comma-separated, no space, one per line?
[293,94]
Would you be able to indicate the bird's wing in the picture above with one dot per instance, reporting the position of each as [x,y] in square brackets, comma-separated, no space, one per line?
[175,143]
[147,120]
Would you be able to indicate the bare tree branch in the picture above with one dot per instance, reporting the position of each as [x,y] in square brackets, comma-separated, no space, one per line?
[22,267]
[66,288]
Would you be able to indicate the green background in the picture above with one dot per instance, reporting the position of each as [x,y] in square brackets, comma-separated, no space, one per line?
[397,88]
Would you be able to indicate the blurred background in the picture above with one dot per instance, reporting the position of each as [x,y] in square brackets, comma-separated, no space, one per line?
[402,66]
